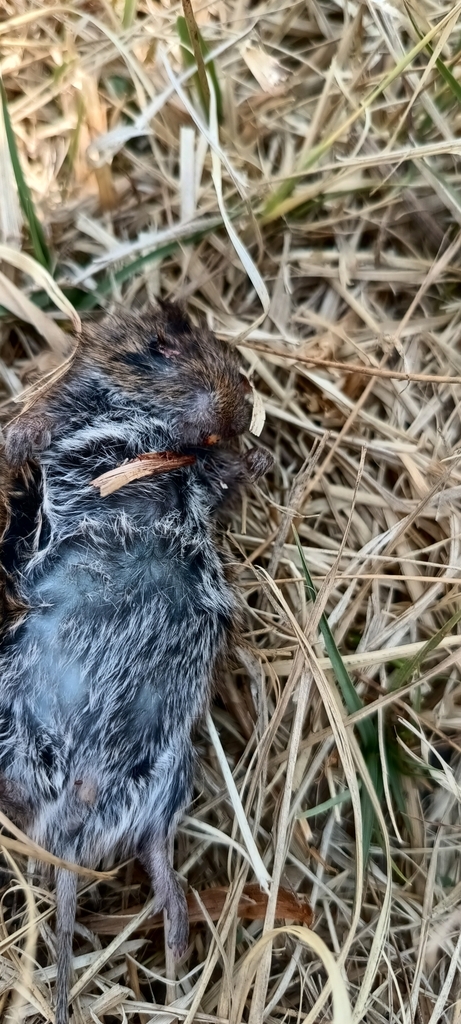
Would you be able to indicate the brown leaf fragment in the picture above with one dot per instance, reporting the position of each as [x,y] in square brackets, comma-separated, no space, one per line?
[147,464]
[291,906]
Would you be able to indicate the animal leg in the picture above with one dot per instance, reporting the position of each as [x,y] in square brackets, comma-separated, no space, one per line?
[257,462]
[168,893]
[66,905]
[26,437]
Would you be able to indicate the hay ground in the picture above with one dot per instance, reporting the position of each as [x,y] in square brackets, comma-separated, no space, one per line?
[317,226]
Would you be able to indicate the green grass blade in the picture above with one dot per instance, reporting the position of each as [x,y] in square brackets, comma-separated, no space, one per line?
[412,665]
[129,13]
[445,72]
[37,237]
[373,763]
[340,798]
[195,42]
[190,59]
[350,695]
[367,729]
[447,75]
[83,300]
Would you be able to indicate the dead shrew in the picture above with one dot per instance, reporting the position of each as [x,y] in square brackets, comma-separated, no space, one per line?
[117,608]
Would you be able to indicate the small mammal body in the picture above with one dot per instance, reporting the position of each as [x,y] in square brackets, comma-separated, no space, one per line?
[117,608]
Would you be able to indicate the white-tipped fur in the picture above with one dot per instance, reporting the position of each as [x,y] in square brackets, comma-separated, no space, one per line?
[130,609]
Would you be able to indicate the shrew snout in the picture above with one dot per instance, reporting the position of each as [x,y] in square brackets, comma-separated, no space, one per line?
[217,415]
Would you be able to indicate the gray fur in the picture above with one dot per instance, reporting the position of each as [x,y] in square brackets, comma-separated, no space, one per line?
[128,609]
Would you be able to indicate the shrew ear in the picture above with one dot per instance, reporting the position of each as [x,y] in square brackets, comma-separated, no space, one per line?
[175,318]
[173,330]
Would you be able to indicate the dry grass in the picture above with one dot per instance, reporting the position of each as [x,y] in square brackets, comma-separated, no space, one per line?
[319,227]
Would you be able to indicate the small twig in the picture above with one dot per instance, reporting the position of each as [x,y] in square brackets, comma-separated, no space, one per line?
[365,371]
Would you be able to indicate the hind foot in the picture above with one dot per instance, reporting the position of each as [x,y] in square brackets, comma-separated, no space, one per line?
[169,895]
[178,918]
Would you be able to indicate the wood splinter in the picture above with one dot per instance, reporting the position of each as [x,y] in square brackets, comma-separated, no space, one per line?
[147,464]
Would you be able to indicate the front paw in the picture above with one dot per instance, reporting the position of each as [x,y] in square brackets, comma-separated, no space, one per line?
[25,438]
[257,462]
